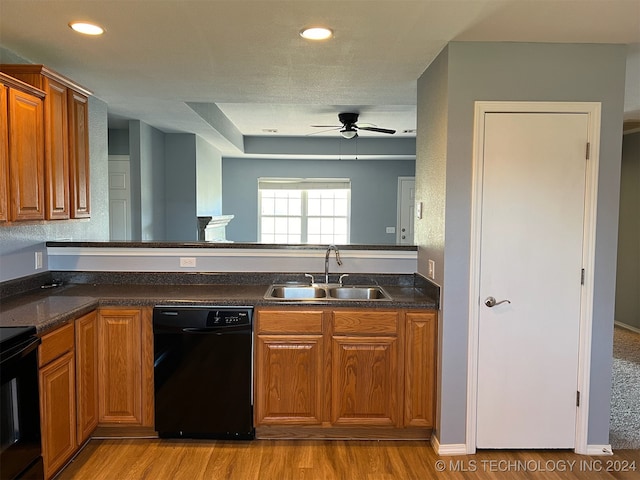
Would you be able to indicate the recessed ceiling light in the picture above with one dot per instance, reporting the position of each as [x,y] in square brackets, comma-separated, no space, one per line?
[87,28]
[316,33]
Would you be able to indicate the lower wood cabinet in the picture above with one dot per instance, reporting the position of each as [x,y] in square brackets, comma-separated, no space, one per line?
[57,398]
[87,375]
[289,368]
[344,372]
[68,360]
[125,352]
[420,369]
[95,371]
[365,382]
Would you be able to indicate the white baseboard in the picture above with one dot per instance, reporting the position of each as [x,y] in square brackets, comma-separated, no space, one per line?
[595,450]
[627,327]
[449,449]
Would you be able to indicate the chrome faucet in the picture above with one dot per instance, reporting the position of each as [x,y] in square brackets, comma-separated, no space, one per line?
[326,261]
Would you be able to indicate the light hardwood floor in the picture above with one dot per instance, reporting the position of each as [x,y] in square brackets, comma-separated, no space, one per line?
[154,459]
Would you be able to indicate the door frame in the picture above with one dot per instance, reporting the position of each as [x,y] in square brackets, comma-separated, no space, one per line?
[401,181]
[593,110]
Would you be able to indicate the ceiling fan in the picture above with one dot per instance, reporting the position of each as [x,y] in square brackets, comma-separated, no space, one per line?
[350,127]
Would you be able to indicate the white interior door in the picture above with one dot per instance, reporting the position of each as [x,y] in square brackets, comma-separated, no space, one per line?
[119,199]
[532,214]
[406,210]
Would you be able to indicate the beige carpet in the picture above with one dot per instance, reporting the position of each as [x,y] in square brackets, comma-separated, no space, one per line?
[624,427]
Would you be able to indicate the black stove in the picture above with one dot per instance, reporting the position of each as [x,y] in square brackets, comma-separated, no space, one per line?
[20,450]
[11,336]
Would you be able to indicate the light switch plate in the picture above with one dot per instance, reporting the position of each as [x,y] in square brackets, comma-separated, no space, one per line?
[391,229]
[38,260]
[419,209]
[432,270]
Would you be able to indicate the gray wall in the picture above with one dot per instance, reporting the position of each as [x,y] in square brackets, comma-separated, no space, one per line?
[628,274]
[374,186]
[208,179]
[174,178]
[19,242]
[147,160]
[512,71]
[180,185]
[431,164]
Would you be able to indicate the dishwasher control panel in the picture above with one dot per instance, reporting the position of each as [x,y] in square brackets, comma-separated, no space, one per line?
[198,317]
[228,317]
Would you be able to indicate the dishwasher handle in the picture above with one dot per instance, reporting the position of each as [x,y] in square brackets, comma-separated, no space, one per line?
[218,330]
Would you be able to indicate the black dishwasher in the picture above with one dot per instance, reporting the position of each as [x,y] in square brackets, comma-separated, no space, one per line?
[203,372]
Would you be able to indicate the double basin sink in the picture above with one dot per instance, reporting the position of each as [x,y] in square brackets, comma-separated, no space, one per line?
[326,292]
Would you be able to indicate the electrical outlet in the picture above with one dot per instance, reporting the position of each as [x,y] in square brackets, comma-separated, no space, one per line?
[38,263]
[188,262]
[432,270]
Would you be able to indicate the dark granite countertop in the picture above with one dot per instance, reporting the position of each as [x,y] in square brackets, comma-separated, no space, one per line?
[238,245]
[48,308]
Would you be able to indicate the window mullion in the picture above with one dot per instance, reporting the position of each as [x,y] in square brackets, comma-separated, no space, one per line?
[304,215]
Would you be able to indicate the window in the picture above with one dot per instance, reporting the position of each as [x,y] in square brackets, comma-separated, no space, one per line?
[310,210]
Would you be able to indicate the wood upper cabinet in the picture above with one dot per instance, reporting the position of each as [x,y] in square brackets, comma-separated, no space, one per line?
[79,155]
[25,152]
[86,331]
[125,349]
[57,398]
[66,134]
[4,153]
[289,367]
[57,152]
[420,369]
[366,376]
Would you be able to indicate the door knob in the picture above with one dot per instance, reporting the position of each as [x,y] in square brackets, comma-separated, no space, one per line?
[491,302]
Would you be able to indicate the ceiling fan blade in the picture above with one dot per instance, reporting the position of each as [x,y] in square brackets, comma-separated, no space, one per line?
[326,126]
[333,129]
[376,129]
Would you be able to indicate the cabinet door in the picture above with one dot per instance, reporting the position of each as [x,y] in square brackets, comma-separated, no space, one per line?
[26,156]
[4,155]
[365,381]
[289,379]
[87,375]
[79,154]
[120,360]
[56,165]
[420,369]
[58,413]
[125,363]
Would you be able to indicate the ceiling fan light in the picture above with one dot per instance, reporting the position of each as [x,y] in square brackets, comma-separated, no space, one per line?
[86,28]
[316,33]
[348,133]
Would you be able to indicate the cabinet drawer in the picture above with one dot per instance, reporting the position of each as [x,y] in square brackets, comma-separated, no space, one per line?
[289,321]
[365,322]
[56,344]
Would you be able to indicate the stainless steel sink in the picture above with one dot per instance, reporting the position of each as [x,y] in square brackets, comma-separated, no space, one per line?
[296,292]
[358,293]
[326,292]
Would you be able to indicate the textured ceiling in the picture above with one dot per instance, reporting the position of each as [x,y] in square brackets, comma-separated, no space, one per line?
[246,60]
